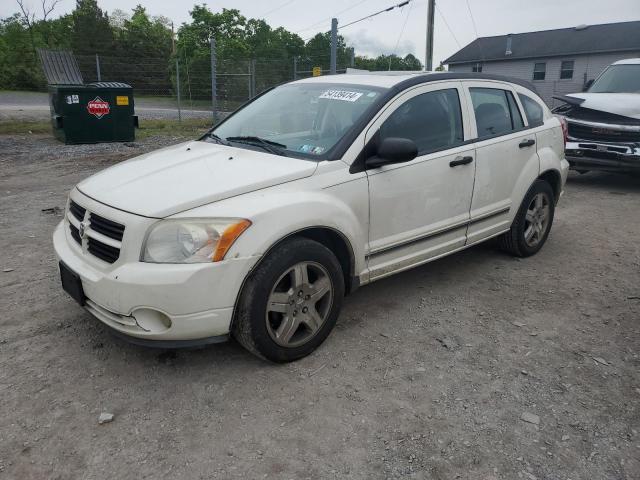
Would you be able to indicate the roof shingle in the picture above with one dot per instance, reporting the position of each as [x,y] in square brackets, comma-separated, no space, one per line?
[608,37]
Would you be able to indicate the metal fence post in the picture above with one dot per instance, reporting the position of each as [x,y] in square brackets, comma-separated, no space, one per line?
[214,92]
[178,89]
[295,67]
[98,67]
[334,45]
[253,78]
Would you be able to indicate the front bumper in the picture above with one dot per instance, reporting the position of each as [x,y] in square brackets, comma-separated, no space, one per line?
[172,304]
[612,157]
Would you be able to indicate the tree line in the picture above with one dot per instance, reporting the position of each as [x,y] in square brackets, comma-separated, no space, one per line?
[141,49]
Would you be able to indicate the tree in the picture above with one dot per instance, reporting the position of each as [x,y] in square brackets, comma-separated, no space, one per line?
[92,34]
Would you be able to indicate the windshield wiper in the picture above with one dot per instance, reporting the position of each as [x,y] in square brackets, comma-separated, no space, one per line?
[268,145]
[217,139]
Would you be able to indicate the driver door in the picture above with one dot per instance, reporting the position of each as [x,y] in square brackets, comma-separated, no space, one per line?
[419,210]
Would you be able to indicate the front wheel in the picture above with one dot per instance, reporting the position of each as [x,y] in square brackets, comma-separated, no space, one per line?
[291,302]
[532,223]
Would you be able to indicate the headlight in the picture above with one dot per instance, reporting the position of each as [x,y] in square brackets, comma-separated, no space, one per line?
[196,240]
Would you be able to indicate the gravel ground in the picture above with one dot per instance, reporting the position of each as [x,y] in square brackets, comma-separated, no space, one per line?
[35,106]
[477,366]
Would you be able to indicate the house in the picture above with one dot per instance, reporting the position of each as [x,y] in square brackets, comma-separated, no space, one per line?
[556,62]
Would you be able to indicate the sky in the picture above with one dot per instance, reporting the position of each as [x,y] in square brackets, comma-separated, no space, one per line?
[400,31]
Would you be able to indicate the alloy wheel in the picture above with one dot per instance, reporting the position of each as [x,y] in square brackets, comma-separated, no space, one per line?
[537,219]
[299,304]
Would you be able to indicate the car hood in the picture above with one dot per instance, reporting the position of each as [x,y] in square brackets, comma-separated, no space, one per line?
[188,175]
[626,104]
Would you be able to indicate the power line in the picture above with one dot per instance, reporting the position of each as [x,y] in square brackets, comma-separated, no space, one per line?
[472,20]
[404,24]
[329,18]
[399,5]
[448,27]
[277,8]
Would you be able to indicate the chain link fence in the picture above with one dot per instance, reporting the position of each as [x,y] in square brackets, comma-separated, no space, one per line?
[182,88]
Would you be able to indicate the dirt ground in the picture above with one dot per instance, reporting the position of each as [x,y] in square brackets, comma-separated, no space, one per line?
[428,374]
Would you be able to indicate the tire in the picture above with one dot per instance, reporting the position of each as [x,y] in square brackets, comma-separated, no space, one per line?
[526,238]
[275,299]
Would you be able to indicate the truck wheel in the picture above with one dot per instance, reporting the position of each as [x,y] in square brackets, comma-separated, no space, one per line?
[532,223]
[291,302]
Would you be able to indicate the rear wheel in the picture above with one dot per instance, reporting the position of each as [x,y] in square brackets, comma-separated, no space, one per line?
[291,302]
[532,223]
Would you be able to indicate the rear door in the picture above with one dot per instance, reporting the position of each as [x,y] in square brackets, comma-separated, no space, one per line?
[505,157]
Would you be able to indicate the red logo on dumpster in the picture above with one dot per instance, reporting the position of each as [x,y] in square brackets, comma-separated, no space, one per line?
[98,107]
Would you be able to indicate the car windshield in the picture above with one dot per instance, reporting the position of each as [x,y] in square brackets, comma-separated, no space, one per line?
[303,120]
[618,79]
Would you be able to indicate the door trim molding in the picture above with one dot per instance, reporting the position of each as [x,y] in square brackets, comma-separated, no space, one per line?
[438,232]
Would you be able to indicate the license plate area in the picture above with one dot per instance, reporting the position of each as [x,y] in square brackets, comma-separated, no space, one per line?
[72,284]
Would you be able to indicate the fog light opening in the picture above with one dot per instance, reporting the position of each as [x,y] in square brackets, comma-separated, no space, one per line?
[151,320]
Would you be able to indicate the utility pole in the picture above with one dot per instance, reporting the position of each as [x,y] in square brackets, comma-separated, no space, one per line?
[173,40]
[334,45]
[431,8]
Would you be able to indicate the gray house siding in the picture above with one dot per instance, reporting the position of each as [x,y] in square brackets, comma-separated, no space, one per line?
[585,67]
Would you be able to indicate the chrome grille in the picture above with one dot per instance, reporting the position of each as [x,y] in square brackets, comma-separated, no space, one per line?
[586,132]
[97,232]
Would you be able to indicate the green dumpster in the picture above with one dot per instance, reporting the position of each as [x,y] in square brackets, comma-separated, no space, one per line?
[93,113]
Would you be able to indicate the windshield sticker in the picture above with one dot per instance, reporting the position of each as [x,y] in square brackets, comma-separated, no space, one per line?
[311,149]
[341,95]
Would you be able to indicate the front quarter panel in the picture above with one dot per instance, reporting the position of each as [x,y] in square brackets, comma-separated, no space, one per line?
[332,198]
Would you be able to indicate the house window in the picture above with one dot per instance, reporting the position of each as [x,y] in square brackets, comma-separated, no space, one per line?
[539,71]
[477,68]
[566,70]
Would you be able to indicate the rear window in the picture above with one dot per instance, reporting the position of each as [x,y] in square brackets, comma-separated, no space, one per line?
[532,109]
[496,112]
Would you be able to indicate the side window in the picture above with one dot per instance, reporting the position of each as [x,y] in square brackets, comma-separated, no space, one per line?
[532,109]
[496,112]
[432,120]
[539,71]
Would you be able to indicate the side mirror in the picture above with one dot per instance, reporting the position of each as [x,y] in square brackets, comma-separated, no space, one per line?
[393,150]
[587,85]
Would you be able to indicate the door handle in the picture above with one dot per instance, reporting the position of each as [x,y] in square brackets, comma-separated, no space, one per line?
[460,161]
[527,143]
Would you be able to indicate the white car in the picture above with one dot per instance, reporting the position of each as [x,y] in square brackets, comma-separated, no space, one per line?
[604,121]
[316,187]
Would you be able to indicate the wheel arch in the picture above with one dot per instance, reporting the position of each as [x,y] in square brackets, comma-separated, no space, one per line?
[331,238]
[553,178]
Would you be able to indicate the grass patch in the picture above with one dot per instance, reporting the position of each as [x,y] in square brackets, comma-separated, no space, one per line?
[188,128]
[23,127]
[191,127]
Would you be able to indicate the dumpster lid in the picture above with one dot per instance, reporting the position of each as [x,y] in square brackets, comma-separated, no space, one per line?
[109,85]
[60,67]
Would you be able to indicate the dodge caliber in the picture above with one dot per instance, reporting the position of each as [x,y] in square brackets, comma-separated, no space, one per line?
[260,228]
